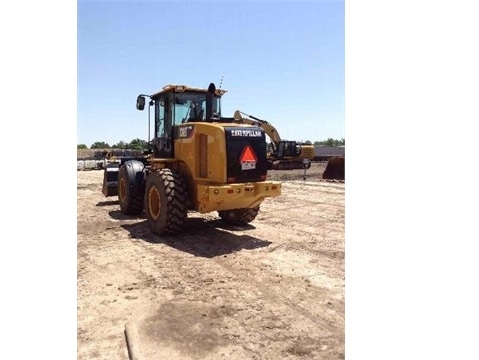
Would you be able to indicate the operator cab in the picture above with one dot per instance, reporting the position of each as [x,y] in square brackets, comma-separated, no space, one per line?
[178,104]
[288,149]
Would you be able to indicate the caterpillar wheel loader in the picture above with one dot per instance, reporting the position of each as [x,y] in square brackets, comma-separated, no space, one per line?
[284,154]
[197,160]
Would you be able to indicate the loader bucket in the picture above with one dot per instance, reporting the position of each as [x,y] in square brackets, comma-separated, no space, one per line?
[110,179]
[334,169]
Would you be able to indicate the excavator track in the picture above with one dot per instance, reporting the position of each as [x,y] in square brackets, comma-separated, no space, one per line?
[288,165]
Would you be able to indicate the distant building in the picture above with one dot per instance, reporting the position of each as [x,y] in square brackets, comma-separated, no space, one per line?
[326,152]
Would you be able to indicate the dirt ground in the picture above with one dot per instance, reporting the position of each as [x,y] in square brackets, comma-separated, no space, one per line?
[271,290]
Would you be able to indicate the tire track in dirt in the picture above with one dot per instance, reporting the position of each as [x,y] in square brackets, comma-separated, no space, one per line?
[275,294]
[236,273]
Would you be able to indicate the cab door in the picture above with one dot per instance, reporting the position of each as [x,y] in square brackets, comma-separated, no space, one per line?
[164,126]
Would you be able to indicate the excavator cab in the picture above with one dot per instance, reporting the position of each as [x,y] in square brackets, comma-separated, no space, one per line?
[288,149]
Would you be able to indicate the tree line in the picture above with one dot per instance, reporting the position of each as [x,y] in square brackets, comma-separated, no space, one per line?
[138,144]
[135,144]
[329,142]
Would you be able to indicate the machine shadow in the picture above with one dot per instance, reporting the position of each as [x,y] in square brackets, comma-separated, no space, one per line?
[203,238]
[107,203]
[118,215]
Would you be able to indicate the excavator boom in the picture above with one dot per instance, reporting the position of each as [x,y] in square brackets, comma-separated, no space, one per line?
[269,129]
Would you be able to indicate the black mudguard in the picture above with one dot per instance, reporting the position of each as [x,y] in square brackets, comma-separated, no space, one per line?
[136,176]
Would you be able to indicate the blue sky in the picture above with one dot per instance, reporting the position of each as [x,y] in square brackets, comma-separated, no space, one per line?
[282,62]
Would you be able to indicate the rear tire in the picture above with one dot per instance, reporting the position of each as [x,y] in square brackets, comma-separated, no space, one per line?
[166,200]
[129,204]
[239,216]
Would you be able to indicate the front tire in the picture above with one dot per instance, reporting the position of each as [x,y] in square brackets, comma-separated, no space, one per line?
[239,216]
[166,200]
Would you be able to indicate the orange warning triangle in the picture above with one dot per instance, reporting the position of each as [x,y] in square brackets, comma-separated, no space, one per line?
[248,155]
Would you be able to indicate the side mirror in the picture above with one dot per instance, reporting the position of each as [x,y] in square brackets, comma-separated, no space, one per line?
[140,102]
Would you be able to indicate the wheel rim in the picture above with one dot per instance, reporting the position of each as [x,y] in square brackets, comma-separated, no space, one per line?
[154,203]
[122,190]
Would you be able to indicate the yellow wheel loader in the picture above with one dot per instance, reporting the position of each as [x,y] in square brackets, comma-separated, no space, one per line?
[197,160]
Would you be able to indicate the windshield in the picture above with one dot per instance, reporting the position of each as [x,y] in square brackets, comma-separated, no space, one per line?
[191,106]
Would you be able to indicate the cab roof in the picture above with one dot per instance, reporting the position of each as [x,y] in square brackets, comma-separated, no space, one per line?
[182,88]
